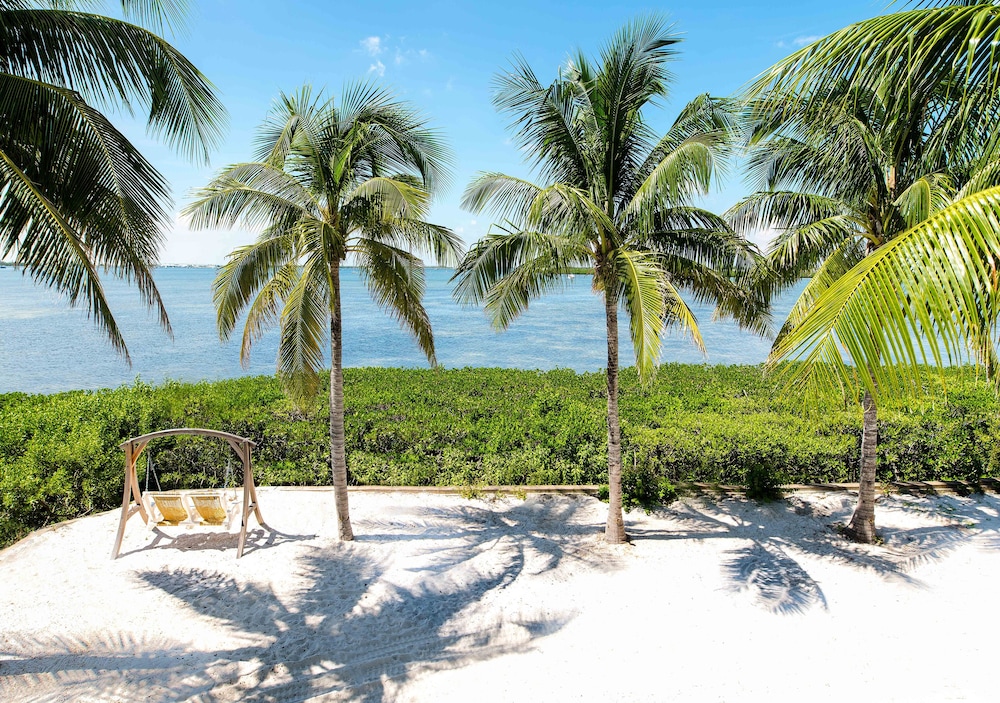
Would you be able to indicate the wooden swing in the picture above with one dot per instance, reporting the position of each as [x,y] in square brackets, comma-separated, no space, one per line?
[208,507]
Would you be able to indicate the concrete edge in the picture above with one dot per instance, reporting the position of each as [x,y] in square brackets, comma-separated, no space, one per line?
[991,485]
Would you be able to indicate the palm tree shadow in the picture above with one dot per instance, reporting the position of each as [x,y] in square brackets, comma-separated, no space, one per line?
[768,565]
[362,619]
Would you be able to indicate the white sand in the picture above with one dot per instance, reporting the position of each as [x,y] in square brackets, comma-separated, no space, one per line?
[447,599]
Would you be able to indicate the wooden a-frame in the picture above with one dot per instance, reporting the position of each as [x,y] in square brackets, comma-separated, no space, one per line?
[134,447]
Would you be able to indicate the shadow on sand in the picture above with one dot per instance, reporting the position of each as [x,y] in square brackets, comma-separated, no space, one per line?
[360,620]
[769,562]
[260,537]
[418,593]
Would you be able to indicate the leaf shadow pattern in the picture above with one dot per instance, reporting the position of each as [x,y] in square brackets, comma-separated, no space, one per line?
[768,564]
[777,581]
[416,594]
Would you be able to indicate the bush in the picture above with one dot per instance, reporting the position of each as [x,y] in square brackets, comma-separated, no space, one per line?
[59,454]
[762,482]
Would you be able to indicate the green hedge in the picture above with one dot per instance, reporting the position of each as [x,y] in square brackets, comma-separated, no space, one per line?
[59,455]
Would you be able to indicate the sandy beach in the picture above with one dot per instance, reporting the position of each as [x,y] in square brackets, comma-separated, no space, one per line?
[443,598]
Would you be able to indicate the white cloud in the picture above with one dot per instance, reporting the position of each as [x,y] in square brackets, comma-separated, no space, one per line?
[393,49]
[406,55]
[201,247]
[372,45]
[763,237]
[797,42]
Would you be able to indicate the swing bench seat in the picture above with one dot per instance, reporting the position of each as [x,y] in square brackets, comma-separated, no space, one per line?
[211,508]
[171,507]
[189,508]
[204,507]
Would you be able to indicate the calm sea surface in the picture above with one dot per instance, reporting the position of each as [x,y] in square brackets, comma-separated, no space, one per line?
[46,346]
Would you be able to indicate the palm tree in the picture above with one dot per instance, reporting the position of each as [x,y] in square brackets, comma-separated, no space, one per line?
[879,128]
[75,194]
[331,183]
[618,201]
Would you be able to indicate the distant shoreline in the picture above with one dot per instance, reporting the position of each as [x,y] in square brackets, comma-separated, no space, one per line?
[12,264]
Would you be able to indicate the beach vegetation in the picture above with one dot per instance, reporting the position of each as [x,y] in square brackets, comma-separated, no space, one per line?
[60,455]
[331,181]
[612,197]
[875,154]
[76,196]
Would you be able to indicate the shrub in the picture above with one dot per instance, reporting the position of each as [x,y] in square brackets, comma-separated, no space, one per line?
[762,482]
[59,455]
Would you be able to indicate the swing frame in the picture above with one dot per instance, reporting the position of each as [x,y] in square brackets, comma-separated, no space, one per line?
[133,449]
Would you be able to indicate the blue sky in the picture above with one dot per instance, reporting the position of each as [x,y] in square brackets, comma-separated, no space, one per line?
[442,57]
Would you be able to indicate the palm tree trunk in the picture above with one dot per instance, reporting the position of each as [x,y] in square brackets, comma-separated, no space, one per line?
[862,527]
[615,530]
[338,454]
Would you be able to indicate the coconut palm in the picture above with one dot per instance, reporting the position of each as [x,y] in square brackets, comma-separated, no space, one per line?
[881,127]
[75,195]
[617,200]
[330,182]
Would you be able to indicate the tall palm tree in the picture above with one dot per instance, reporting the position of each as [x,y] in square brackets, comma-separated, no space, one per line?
[331,183]
[883,125]
[618,200]
[75,195]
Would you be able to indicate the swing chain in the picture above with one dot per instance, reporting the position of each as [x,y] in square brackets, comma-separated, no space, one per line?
[151,470]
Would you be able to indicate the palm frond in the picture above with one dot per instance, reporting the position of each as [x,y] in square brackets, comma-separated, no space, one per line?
[246,272]
[642,291]
[111,63]
[923,297]
[781,210]
[264,312]
[703,134]
[506,197]
[253,195]
[65,157]
[305,330]
[395,279]
[510,267]
[924,196]
[395,197]
[55,253]
[916,50]
[544,122]
[398,138]
[683,174]
[421,238]
[836,264]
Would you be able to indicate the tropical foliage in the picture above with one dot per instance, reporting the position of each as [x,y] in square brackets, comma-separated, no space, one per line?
[331,181]
[848,164]
[615,198]
[75,195]
[59,455]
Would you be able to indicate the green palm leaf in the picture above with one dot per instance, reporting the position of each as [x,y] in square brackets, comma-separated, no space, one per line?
[395,279]
[929,291]
[111,62]
[75,195]
[332,180]
[614,198]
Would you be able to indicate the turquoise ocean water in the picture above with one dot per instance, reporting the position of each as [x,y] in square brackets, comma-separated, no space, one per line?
[46,346]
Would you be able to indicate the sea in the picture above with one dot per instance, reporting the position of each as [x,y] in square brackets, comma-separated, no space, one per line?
[47,346]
